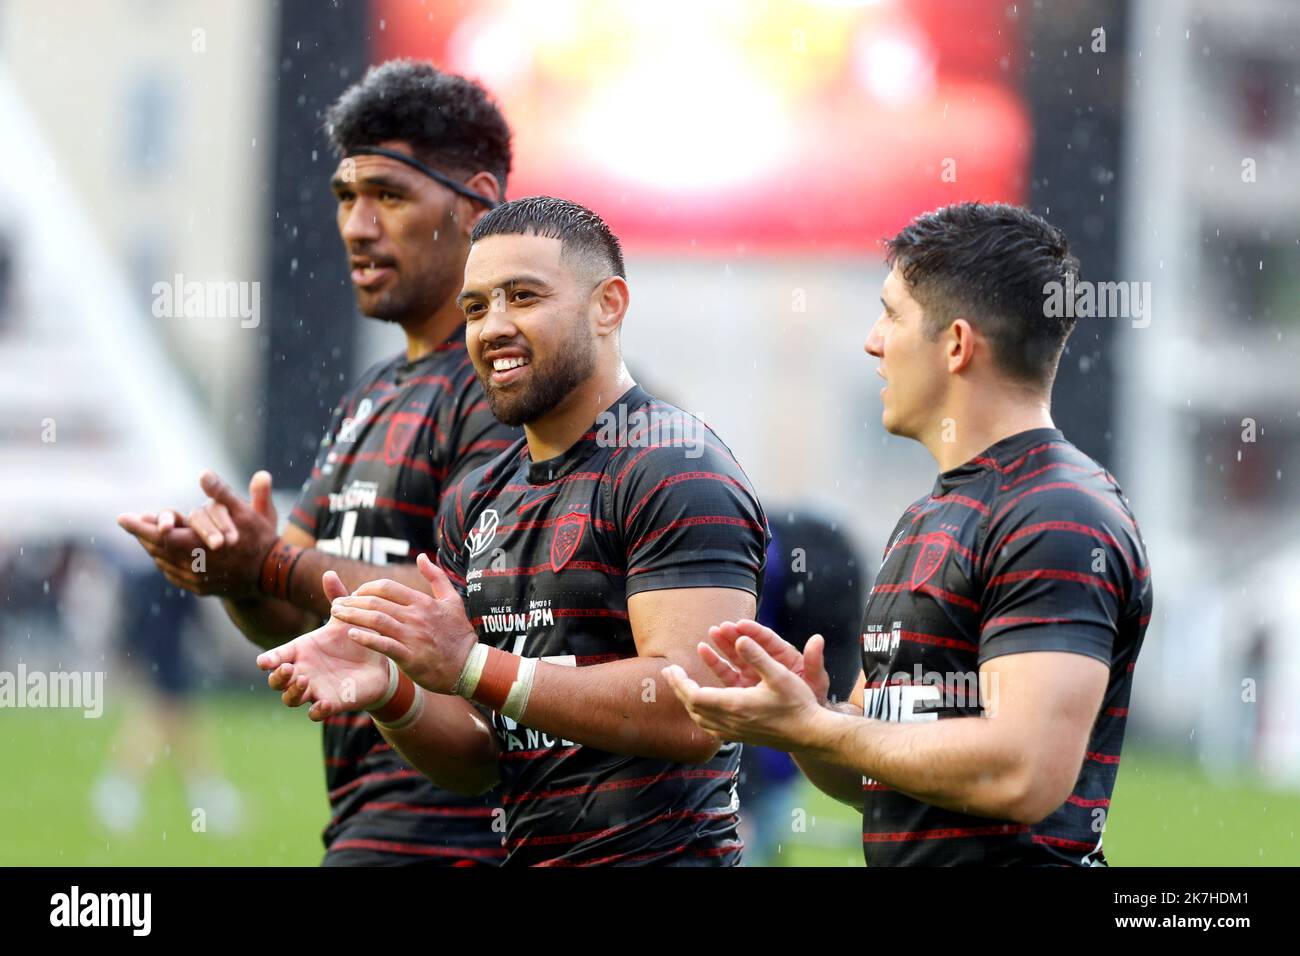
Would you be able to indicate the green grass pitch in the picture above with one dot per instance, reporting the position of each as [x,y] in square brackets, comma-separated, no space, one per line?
[1165,813]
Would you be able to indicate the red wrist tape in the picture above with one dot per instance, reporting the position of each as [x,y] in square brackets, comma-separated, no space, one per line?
[277,569]
[499,674]
[396,708]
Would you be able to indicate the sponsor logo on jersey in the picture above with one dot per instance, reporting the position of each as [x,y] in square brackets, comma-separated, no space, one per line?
[568,533]
[517,620]
[348,427]
[373,549]
[929,695]
[483,534]
[902,703]
[355,494]
[402,429]
[933,551]
[875,640]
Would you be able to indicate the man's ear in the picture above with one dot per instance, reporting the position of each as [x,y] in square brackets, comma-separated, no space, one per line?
[960,345]
[485,183]
[610,300]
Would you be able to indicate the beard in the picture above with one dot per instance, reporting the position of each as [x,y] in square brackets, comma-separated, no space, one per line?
[548,385]
[402,302]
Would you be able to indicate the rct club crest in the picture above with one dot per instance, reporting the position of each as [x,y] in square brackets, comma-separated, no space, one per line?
[933,551]
[402,428]
[568,533]
[483,533]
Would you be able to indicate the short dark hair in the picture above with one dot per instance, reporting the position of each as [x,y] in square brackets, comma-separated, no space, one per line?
[991,263]
[448,120]
[579,229]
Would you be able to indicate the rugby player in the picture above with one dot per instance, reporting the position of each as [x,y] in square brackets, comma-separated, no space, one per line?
[572,569]
[423,155]
[1000,637]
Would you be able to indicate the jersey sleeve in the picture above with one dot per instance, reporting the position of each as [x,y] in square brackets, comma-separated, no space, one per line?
[1059,575]
[689,522]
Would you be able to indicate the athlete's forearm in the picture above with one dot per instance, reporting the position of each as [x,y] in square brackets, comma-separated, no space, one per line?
[968,764]
[835,780]
[304,586]
[623,707]
[452,744]
[267,621]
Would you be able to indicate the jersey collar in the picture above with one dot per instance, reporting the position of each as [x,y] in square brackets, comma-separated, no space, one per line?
[551,469]
[405,367]
[996,457]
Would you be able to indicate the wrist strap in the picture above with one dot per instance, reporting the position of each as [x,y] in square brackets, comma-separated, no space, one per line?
[394,680]
[521,690]
[471,673]
[402,705]
[277,569]
[499,680]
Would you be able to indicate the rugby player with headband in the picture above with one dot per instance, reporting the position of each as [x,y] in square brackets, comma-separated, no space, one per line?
[441,178]
[405,432]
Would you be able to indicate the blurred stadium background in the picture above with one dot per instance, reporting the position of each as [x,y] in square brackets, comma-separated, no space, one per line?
[751,155]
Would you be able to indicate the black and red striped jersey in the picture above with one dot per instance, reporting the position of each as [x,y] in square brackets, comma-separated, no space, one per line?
[399,438]
[546,555]
[1031,546]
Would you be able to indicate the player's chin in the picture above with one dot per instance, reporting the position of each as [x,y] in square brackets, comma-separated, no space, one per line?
[889,421]
[509,405]
[377,303]
[894,421]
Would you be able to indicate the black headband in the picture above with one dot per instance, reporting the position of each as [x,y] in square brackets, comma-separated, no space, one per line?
[433,174]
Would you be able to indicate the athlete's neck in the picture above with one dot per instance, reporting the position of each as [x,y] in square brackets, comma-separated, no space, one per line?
[555,432]
[425,335]
[957,437]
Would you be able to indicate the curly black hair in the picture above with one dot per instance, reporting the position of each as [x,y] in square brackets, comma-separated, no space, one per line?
[991,263]
[449,121]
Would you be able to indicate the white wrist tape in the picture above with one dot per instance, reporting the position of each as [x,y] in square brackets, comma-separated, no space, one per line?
[470,674]
[517,701]
[392,686]
[411,716]
[413,709]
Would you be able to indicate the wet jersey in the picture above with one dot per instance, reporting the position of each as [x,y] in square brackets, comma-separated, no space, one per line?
[401,436]
[547,555]
[1030,546]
